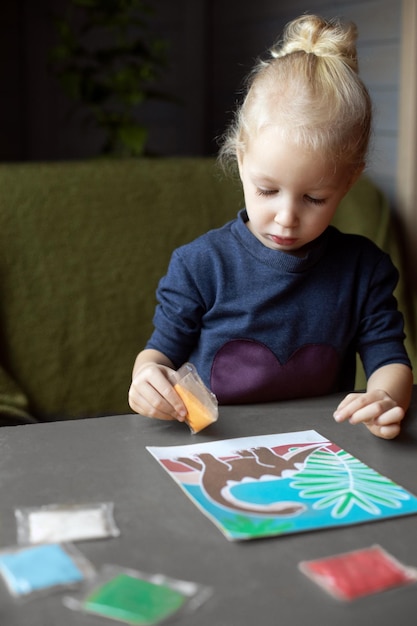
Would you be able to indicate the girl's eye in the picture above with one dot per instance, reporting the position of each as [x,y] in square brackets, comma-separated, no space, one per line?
[315,200]
[266,192]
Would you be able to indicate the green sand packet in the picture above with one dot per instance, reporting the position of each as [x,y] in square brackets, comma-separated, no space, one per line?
[137,598]
[37,570]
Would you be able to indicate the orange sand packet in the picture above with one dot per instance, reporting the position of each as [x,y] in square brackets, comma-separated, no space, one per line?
[200,402]
[198,416]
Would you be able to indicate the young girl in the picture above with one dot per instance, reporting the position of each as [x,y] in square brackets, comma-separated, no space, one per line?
[276,304]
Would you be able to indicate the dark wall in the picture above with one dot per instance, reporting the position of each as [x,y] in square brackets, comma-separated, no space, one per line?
[12,118]
[35,119]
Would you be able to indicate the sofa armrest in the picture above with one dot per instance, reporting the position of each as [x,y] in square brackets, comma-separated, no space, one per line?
[13,403]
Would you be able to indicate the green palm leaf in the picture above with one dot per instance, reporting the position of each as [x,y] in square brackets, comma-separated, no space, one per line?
[340,481]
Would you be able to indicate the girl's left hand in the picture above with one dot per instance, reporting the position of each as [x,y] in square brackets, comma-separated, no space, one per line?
[376,409]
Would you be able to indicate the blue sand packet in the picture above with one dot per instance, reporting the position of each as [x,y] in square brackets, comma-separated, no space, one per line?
[33,570]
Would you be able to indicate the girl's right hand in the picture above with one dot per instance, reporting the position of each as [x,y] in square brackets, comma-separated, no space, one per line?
[151,394]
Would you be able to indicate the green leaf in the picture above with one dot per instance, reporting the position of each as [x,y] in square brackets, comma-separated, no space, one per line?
[246,527]
[133,137]
[339,481]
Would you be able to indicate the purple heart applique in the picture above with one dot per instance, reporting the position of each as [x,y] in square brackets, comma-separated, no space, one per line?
[245,371]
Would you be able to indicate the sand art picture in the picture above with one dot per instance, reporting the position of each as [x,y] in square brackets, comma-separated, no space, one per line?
[266,485]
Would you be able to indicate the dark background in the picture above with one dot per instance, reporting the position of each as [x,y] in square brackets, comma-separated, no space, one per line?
[212,45]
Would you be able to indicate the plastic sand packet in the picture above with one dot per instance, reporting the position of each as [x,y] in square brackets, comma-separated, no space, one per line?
[358,573]
[134,597]
[199,401]
[65,522]
[38,570]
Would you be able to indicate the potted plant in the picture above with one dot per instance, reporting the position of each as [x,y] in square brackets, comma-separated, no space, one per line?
[108,63]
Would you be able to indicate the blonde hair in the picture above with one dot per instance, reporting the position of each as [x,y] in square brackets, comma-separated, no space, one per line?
[310,89]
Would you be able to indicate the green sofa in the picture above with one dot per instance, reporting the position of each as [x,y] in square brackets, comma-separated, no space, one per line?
[82,247]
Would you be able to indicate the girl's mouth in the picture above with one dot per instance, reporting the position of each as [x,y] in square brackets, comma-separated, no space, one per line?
[283,241]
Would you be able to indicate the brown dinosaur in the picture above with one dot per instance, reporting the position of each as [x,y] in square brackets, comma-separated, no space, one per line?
[254,463]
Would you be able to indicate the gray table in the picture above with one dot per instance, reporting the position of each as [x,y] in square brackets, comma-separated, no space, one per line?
[255,582]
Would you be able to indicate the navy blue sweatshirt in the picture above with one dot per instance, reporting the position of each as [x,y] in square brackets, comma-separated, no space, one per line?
[263,325]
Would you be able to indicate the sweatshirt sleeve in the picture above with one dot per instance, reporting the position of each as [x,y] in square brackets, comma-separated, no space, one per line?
[178,315]
[381,332]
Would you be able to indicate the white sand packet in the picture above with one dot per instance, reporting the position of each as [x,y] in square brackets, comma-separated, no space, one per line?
[54,523]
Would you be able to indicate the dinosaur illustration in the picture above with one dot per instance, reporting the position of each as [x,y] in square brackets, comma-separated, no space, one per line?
[219,476]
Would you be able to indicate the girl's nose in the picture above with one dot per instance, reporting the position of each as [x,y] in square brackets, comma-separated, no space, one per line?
[286,214]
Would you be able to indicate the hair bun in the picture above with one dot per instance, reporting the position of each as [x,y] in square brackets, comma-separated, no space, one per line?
[324,38]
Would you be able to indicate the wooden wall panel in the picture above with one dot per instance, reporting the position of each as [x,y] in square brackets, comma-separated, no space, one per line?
[407,144]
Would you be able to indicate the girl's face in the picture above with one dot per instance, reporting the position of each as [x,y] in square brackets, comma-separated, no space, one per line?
[291,193]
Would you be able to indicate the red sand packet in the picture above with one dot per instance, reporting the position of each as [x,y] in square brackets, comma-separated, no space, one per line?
[358,573]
